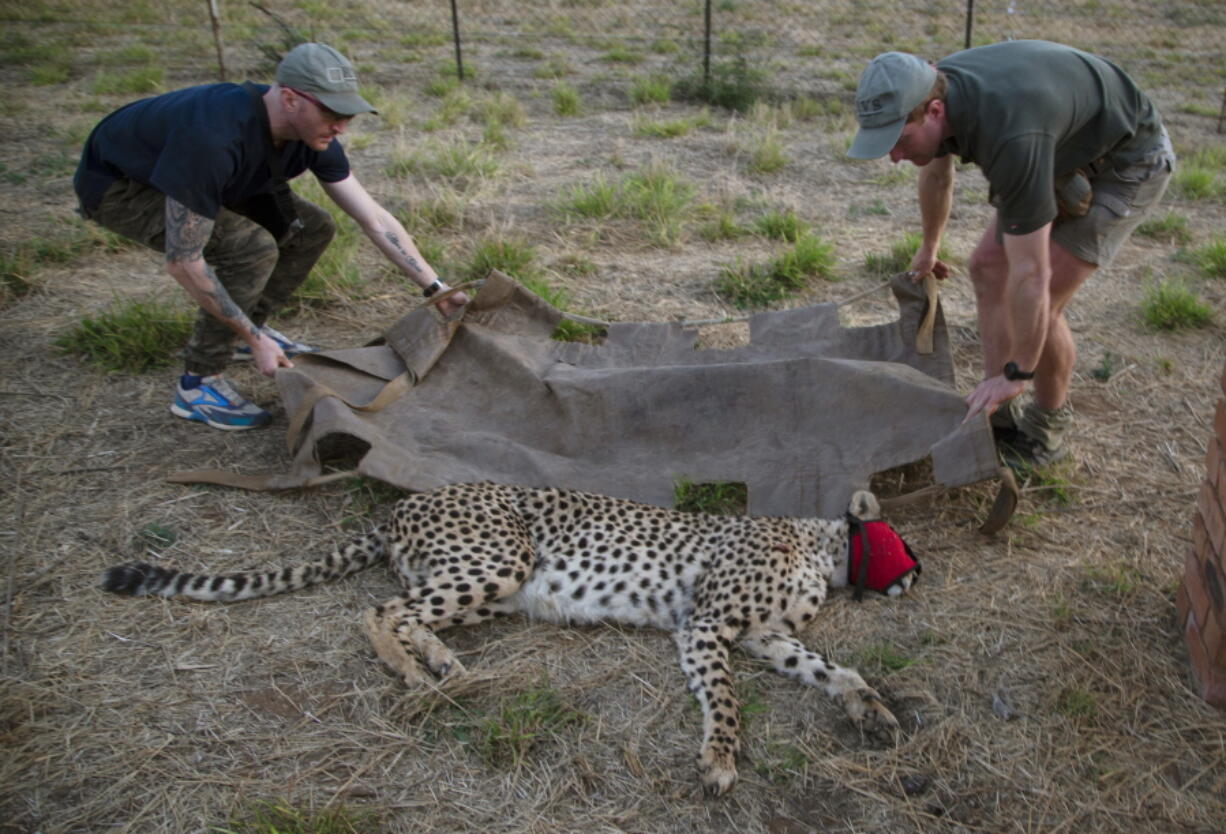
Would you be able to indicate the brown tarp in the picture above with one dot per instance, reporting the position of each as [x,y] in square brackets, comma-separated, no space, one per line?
[805,413]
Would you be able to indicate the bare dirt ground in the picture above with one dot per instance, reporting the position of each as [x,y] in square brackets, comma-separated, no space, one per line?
[1045,684]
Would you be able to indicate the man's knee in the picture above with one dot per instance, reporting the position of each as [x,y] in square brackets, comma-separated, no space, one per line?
[240,246]
[988,270]
[318,227]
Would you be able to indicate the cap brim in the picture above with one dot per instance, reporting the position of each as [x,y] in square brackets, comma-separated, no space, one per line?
[874,142]
[346,104]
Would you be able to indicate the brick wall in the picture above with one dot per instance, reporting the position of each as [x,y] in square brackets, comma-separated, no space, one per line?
[1201,599]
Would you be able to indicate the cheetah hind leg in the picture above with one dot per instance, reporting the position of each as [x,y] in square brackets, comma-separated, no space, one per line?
[437,658]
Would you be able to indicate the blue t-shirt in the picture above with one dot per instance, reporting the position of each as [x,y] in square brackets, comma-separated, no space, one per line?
[203,146]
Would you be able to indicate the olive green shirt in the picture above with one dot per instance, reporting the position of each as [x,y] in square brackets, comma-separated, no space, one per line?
[1028,111]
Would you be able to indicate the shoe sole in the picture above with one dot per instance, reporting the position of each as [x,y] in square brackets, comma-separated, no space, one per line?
[246,357]
[1020,463]
[195,417]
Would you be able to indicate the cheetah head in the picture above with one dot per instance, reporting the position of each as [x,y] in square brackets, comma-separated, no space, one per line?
[889,565]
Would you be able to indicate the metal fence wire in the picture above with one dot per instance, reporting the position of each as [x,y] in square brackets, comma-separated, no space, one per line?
[793,47]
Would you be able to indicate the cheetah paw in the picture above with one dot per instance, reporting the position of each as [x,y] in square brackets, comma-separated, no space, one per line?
[392,652]
[866,709]
[717,772]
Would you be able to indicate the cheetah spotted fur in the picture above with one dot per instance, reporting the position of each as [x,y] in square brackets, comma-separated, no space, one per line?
[470,552]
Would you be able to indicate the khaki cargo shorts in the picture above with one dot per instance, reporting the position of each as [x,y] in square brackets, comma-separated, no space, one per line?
[1122,198]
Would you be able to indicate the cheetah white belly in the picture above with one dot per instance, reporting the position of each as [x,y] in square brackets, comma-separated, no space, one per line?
[556,596]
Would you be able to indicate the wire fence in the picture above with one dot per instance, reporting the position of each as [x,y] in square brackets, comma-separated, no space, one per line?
[800,47]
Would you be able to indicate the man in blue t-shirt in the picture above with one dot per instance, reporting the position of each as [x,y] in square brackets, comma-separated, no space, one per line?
[200,174]
[1075,155]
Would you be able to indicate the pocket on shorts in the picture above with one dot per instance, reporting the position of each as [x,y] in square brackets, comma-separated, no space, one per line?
[1133,188]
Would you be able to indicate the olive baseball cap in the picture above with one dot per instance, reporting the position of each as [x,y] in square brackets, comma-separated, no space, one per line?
[891,86]
[323,72]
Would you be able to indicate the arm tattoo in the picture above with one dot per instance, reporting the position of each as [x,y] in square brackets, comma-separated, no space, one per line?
[186,233]
[225,304]
[394,240]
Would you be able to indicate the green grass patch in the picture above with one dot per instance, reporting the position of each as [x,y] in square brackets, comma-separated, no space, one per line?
[518,259]
[883,658]
[55,71]
[653,89]
[754,286]
[874,209]
[898,259]
[733,85]
[654,195]
[782,763]
[555,67]
[21,262]
[1169,228]
[722,225]
[139,81]
[279,817]
[661,200]
[515,258]
[462,163]
[781,225]
[1114,580]
[130,336]
[622,55]
[767,156]
[1171,305]
[336,277]
[718,498]
[565,99]
[1211,258]
[1195,182]
[1076,703]
[669,128]
[505,736]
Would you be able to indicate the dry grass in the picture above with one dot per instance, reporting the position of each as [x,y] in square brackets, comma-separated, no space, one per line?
[1048,690]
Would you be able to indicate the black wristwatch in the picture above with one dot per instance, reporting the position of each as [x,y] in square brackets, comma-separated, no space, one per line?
[433,288]
[1012,372]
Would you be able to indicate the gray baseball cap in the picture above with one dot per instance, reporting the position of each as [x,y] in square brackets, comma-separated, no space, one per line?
[891,86]
[326,74]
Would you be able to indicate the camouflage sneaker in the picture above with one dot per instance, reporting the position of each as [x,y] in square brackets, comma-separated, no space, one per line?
[1038,439]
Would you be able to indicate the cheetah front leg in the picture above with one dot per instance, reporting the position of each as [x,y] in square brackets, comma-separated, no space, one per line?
[791,659]
[704,660]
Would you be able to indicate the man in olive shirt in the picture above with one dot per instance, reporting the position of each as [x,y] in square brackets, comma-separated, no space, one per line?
[1074,155]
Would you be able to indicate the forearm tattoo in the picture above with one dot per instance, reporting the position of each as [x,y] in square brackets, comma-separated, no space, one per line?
[186,235]
[394,240]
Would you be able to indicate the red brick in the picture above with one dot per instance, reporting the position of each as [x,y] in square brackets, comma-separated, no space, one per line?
[1200,536]
[1214,639]
[1194,582]
[1210,682]
[1214,518]
[1215,587]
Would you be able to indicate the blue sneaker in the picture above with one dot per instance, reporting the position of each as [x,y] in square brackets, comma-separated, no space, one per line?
[289,347]
[211,400]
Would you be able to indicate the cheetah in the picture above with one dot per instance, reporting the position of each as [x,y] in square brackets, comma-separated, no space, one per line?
[469,552]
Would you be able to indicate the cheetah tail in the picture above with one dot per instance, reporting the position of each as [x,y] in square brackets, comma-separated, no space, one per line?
[140,579]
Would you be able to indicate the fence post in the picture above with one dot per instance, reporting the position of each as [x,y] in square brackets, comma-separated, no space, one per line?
[970,19]
[706,44]
[455,30]
[215,16]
